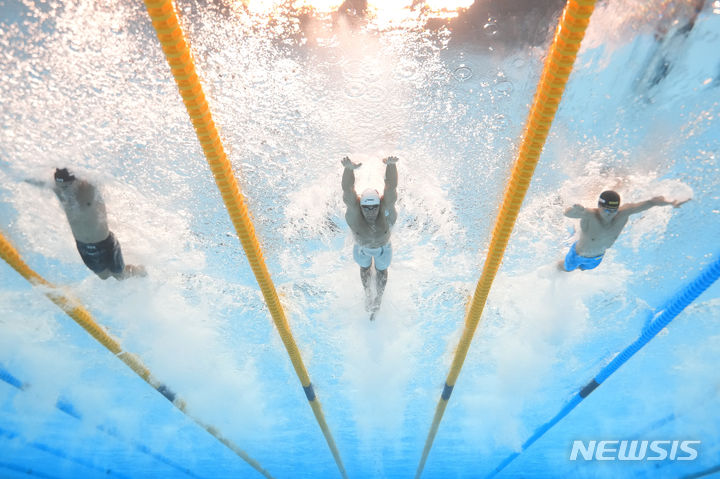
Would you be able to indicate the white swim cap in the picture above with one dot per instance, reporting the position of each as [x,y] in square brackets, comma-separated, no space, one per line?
[370,197]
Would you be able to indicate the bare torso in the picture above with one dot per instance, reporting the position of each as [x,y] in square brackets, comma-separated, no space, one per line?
[85,210]
[597,233]
[368,233]
[371,235]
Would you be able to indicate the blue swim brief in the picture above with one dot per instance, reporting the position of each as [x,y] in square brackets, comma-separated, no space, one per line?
[364,256]
[574,260]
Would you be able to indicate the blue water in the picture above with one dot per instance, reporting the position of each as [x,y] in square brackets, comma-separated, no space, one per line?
[85,85]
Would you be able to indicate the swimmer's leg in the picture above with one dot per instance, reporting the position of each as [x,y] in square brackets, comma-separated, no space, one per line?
[365,279]
[381,281]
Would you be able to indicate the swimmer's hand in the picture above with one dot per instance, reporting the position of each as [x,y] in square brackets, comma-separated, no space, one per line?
[349,164]
[678,203]
[575,211]
[390,160]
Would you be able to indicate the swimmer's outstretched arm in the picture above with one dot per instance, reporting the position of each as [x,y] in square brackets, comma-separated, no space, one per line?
[633,208]
[38,183]
[348,181]
[391,181]
[576,211]
[51,185]
[390,194]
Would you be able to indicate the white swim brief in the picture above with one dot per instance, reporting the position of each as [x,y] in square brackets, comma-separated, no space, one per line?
[363,256]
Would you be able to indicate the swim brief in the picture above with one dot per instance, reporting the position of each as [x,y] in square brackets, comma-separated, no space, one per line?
[103,255]
[573,260]
[363,256]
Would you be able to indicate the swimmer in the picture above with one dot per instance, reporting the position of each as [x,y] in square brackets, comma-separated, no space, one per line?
[85,211]
[371,217]
[601,226]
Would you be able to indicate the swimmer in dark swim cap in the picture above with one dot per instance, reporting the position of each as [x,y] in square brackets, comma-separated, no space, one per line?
[601,226]
[85,210]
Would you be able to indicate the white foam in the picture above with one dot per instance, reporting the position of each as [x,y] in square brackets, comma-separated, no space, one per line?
[534,321]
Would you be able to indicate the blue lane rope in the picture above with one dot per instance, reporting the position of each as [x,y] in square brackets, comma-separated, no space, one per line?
[28,471]
[662,316]
[66,407]
[703,473]
[658,424]
[56,452]
[10,379]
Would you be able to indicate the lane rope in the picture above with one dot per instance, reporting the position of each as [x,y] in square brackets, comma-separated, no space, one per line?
[67,407]
[663,316]
[557,68]
[82,317]
[177,52]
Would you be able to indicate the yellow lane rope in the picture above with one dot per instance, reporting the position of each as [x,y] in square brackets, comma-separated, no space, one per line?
[557,68]
[177,51]
[77,312]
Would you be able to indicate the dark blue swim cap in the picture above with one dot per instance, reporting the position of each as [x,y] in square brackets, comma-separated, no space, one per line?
[62,175]
[609,199]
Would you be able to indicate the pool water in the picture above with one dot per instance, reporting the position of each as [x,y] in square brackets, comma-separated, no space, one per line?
[85,85]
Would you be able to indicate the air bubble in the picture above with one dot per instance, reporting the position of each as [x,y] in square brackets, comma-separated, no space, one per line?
[490,28]
[375,93]
[332,57]
[500,122]
[355,90]
[462,73]
[421,107]
[504,87]
[258,77]
[406,70]
[373,73]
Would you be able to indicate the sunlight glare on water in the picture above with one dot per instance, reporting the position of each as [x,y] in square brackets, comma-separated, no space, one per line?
[384,12]
[267,6]
[85,85]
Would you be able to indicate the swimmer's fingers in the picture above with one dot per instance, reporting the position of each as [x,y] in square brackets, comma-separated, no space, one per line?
[347,163]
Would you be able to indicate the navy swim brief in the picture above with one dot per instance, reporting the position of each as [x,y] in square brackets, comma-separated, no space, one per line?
[105,255]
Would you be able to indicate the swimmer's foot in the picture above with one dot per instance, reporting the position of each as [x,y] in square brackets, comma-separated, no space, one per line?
[374,308]
[134,270]
[369,299]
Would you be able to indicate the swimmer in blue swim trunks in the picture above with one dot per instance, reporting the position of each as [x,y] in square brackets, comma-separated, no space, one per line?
[85,211]
[371,218]
[601,226]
